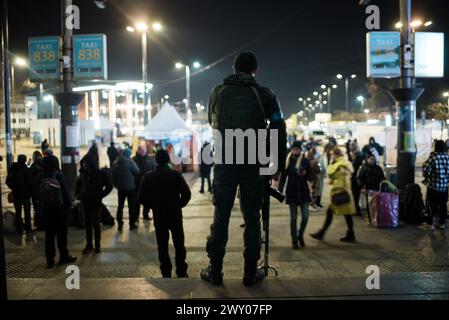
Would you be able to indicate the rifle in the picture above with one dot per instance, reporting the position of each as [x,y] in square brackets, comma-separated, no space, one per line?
[269,192]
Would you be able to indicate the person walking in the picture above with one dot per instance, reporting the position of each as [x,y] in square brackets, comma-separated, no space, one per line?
[44,145]
[54,202]
[205,166]
[124,174]
[296,178]
[145,164]
[166,192]
[436,175]
[319,173]
[92,186]
[341,201]
[20,181]
[112,153]
[241,103]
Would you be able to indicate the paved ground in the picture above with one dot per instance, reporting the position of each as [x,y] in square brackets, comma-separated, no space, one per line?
[413,262]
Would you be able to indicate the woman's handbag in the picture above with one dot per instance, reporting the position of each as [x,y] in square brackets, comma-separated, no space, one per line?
[341,196]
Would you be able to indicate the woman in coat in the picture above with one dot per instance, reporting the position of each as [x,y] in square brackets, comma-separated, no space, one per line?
[297,175]
[339,172]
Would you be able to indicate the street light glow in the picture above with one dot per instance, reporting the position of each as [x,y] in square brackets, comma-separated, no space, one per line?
[48,98]
[353,76]
[308,99]
[179,65]
[416,23]
[166,97]
[366,111]
[398,25]
[157,26]
[339,76]
[323,86]
[130,29]
[20,62]
[334,86]
[446,94]
[324,102]
[315,93]
[184,100]
[428,23]
[142,26]
[196,65]
[198,105]
[360,98]
[324,93]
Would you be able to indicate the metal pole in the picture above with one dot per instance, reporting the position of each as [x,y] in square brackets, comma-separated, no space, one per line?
[329,99]
[145,77]
[68,102]
[347,94]
[406,96]
[3,279]
[6,84]
[188,87]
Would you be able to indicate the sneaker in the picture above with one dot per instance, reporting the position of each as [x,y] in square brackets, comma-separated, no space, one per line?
[252,280]
[318,235]
[209,276]
[295,245]
[50,263]
[66,260]
[87,250]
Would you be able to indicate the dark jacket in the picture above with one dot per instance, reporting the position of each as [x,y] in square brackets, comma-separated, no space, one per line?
[367,149]
[356,164]
[62,181]
[297,190]
[124,174]
[165,191]
[92,186]
[145,164]
[234,105]
[205,167]
[370,177]
[20,181]
[36,168]
[112,154]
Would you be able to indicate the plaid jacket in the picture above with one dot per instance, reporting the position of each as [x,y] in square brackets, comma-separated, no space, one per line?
[436,171]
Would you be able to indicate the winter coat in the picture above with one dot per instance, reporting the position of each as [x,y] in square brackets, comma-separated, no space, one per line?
[145,164]
[165,191]
[339,173]
[370,177]
[356,164]
[124,174]
[62,181]
[112,154]
[205,167]
[93,186]
[297,190]
[20,181]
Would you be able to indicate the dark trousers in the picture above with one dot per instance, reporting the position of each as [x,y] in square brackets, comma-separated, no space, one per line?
[438,204]
[92,219]
[166,222]
[145,211]
[131,196]
[205,177]
[37,214]
[18,204]
[251,196]
[56,229]
[330,217]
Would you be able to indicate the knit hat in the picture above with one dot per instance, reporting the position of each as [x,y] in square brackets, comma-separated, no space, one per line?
[127,153]
[162,157]
[297,144]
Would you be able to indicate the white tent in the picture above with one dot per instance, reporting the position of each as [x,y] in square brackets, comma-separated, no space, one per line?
[165,125]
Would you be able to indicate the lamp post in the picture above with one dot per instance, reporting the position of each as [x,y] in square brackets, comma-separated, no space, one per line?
[340,76]
[142,27]
[195,65]
[361,99]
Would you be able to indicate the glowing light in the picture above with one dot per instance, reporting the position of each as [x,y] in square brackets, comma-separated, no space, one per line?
[130,29]
[196,65]
[339,76]
[179,65]
[20,62]
[142,26]
[157,26]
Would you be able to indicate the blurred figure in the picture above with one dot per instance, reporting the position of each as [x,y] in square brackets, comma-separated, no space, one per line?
[112,153]
[145,164]
[370,175]
[205,168]
[436,174]
[341,202]
[373,148]
[92,186]
[357,162]
[93,151]
[125,173]
[44,145]
[296,176]
[54,201]
[319,173]
[166,192]
[328,148]
[36,167]
[20,181]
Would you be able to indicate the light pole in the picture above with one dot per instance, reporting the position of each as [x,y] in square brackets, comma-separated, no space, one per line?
[195,65]
[142,27]
[361,99]
[21,63]
[340,76]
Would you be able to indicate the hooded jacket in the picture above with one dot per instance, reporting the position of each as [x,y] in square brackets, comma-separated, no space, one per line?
[124,174]
[339,173]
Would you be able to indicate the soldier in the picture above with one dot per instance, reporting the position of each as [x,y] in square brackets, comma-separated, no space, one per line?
[240,103]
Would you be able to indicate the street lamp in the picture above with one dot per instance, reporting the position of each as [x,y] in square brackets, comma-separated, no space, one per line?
[143,28]
[361,99]
[195,65]
[415,24]
[340,76]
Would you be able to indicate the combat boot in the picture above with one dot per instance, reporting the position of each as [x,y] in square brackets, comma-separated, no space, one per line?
[212,275]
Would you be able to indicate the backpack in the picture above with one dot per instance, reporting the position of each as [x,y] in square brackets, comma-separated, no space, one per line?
[51,193]
[411,205]
[106,217]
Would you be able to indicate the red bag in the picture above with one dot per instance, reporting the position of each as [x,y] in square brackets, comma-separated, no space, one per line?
[384,209]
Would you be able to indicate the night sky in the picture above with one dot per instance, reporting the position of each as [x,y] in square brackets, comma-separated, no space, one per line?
[301,44]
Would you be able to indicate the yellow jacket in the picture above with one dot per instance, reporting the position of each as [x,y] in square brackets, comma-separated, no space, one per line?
[340,173]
